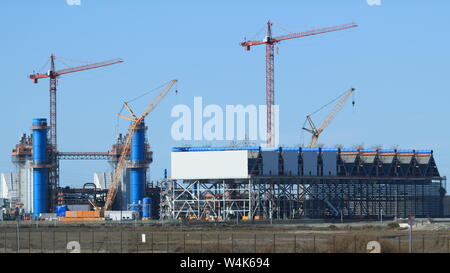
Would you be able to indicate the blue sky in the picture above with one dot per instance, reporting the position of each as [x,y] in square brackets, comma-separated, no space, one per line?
[397,59]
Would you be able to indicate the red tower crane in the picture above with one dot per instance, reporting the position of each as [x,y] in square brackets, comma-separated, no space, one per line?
[270,41]
[53,74]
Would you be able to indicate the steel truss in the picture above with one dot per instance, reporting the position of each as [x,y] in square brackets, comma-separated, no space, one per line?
[299,197]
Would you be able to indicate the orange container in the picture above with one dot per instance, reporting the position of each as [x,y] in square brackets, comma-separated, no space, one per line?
[83,214]
[72,219]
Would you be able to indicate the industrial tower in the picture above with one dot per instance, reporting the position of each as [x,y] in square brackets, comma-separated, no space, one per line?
[53,74]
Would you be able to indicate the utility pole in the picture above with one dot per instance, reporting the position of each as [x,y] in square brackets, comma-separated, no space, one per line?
[410,223]
[396,205]
[410,239]
[17,236]
[270,212]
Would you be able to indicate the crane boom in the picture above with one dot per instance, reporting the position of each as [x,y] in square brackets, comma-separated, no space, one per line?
[129,110]
[270,41]
[112,191]
[88,66]
[312,32]
[160,96]
[328,119]
[37,76]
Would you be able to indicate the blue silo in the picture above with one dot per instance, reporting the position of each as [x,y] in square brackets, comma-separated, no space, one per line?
[138,166]
[40,166]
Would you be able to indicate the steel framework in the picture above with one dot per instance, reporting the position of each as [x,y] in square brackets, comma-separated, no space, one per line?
[297,197]
[85,155]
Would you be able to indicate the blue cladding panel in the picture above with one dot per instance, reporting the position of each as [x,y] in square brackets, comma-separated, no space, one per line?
[310,163]
[290,149]
[329,159]
[307,149]
[290,162]
[137,144]
[349,150]
[40,191]
[40,142]
[201,149]
[40,175]
[270,161]
[136,185]
[405,151]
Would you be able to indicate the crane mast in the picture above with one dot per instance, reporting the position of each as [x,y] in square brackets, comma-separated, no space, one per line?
[270,76]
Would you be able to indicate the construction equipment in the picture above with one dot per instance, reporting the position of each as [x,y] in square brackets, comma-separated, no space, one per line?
[53,74]
[270,41]
[317,131]
[112,191]
[93,205]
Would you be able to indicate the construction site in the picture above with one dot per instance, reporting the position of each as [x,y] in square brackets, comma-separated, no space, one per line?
[260,186]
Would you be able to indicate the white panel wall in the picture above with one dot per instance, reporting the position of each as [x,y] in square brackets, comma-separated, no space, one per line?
[209,164]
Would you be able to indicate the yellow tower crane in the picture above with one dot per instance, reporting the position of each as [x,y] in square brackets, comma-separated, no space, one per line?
[317,131]
[112,191]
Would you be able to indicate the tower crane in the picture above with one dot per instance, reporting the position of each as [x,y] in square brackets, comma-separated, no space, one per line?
[53,75]
[270,41]
[317,131]
[136,121]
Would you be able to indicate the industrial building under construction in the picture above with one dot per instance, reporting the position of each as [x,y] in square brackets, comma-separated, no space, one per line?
[222,183]
[225,183]
[293,183]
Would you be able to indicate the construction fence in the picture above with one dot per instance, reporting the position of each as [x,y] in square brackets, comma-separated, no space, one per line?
[32,241]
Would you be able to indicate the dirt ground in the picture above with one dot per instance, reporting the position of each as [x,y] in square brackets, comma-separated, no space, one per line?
[206,237]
